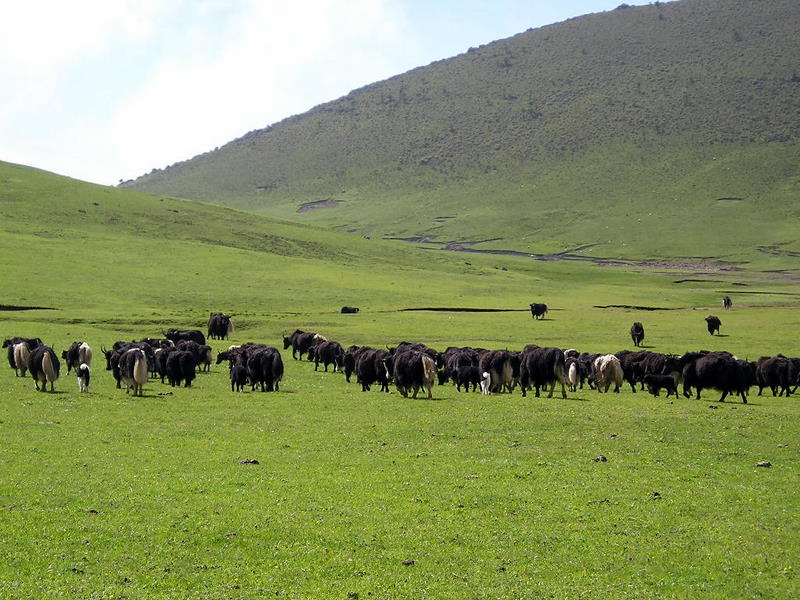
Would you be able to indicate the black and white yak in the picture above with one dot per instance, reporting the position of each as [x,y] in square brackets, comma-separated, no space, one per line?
[44,367]
[412,371]
[84,374]
[19,350]
[133,370]
[77,354]
[499,371]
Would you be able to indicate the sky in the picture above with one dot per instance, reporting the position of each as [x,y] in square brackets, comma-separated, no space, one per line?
[107,90]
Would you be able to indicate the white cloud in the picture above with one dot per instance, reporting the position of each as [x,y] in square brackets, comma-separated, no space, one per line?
[136,85]
[263,72]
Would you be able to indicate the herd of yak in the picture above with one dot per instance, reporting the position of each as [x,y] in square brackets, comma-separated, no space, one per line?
[411,367]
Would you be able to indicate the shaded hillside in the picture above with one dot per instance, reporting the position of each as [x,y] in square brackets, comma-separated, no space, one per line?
[657,113]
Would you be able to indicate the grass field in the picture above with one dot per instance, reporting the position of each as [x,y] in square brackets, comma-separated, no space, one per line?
[359,495]
[106,496]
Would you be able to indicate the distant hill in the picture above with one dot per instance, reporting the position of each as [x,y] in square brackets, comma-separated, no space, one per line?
[668,130]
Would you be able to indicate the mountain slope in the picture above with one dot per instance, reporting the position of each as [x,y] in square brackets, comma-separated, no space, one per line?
[556,138]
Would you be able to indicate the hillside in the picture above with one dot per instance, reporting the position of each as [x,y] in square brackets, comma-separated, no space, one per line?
[658,131]
[103,255]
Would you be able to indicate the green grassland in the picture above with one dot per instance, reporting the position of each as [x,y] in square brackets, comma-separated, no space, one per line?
[360,495]
[667,130]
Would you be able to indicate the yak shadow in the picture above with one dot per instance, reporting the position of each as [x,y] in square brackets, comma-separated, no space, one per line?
[571,398]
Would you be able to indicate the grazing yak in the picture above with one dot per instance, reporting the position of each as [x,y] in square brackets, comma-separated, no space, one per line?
[454,359]
[327,353]
[202,353]
[77,354]
[19,356]
[370,365]
[254,364]
[44,367]
[113,358]
[467,375]
[720,371]
[265,368]
[778,373]
[543,367]
[412,371]
[607,370]
[637,333]
[181,366]
[133,370]
[538,311]
[178,335]
[220,326]
[578,370]
[499,371]
[19,349]
[239,377]
[726,302]
[637,365]
[349,310]
[300,341]
[713,324]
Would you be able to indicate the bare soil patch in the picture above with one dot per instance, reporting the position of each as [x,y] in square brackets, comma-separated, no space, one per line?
[317,204]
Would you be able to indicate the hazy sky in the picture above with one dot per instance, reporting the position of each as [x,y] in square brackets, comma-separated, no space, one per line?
[103,90]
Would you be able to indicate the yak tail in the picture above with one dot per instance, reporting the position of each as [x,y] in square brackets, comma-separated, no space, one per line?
[429,373]
[140,369]
[560,372]
[573,377]
[49,368]
[85,354]
[21,358]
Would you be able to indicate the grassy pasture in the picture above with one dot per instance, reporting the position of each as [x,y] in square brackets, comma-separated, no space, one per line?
[106,496]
